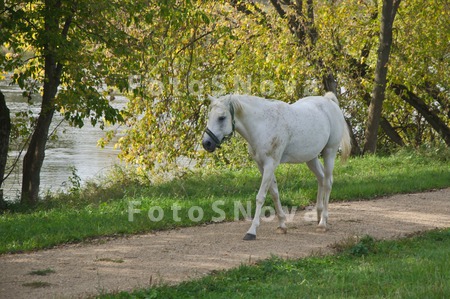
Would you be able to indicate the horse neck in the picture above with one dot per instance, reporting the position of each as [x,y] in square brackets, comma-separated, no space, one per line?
[247,110]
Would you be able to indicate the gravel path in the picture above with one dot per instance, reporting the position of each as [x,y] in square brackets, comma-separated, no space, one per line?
[177,255]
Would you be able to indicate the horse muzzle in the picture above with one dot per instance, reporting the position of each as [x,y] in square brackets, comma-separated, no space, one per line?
[210,141]
[209,145]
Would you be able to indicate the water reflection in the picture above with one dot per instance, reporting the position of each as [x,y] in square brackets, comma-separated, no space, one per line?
[73,147]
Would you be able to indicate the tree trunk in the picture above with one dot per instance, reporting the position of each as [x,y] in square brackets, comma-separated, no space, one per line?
[386,125]
[5,130]
[34,158]
[374,115]
[301,24]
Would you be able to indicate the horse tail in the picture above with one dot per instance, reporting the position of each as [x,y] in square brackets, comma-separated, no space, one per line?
[346,143]
[331,96]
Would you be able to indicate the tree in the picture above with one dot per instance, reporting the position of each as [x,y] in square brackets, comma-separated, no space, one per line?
[338,41]
[419,104]
[53,68]
[163,112]
[378,94]
[306,46]
[194,49]
[57,48]
[5,130]
[418,90]
[180,51]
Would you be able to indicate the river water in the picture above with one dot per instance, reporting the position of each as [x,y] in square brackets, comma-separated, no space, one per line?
[74,148]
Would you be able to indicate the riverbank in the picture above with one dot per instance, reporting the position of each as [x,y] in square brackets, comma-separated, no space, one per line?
[71,152]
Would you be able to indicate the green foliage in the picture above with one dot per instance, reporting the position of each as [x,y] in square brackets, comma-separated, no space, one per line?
[86,32]
[418,60]
[168,55]
[209,49]
[190,49]
[75,181]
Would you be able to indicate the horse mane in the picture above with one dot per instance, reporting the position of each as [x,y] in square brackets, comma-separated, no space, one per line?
[236,103]
[235,100]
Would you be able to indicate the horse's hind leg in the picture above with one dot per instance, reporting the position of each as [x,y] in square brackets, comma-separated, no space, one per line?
[273,189]
[329,156]
[317,168]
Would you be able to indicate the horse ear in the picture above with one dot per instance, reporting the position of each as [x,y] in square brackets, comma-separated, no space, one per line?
[211,98]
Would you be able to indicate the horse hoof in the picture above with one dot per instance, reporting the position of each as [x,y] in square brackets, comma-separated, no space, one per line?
[321,229]
[282,230]
[249,237]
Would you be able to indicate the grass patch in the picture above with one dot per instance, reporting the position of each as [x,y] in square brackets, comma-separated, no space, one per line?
[415,267]
[37,284]
[43,272]
[357,246]
[105,211]
[110,260]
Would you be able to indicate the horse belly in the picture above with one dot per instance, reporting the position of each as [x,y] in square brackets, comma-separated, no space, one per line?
[300,154]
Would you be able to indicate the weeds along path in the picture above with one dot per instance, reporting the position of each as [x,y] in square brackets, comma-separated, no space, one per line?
[77,271]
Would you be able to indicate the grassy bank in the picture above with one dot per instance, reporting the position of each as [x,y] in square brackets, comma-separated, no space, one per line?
[416,267]
[105,211]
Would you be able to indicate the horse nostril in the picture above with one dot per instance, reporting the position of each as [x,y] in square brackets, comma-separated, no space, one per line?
[208,145]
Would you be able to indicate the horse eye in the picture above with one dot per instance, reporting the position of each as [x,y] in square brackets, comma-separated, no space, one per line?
[222,118]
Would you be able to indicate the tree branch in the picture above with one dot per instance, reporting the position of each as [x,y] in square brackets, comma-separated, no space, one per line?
[241,7]
[415,101]
[193,41]
[278,8]
[64,33]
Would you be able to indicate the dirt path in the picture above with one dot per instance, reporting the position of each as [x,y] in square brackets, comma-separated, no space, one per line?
[177,255]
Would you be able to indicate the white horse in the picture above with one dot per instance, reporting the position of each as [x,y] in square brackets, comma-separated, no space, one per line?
[276,133]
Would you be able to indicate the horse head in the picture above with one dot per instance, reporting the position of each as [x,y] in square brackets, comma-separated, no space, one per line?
[220,125]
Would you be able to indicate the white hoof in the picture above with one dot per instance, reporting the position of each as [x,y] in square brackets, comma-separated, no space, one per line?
[321,229]
[281,230]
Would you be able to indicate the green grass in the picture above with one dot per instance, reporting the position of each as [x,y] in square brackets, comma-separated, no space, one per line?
[104,211]
[416,267]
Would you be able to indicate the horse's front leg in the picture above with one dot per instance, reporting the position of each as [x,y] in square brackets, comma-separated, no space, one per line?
[273,190]
[267,178]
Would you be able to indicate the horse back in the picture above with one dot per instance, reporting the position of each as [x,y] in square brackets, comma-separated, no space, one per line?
[317,123]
